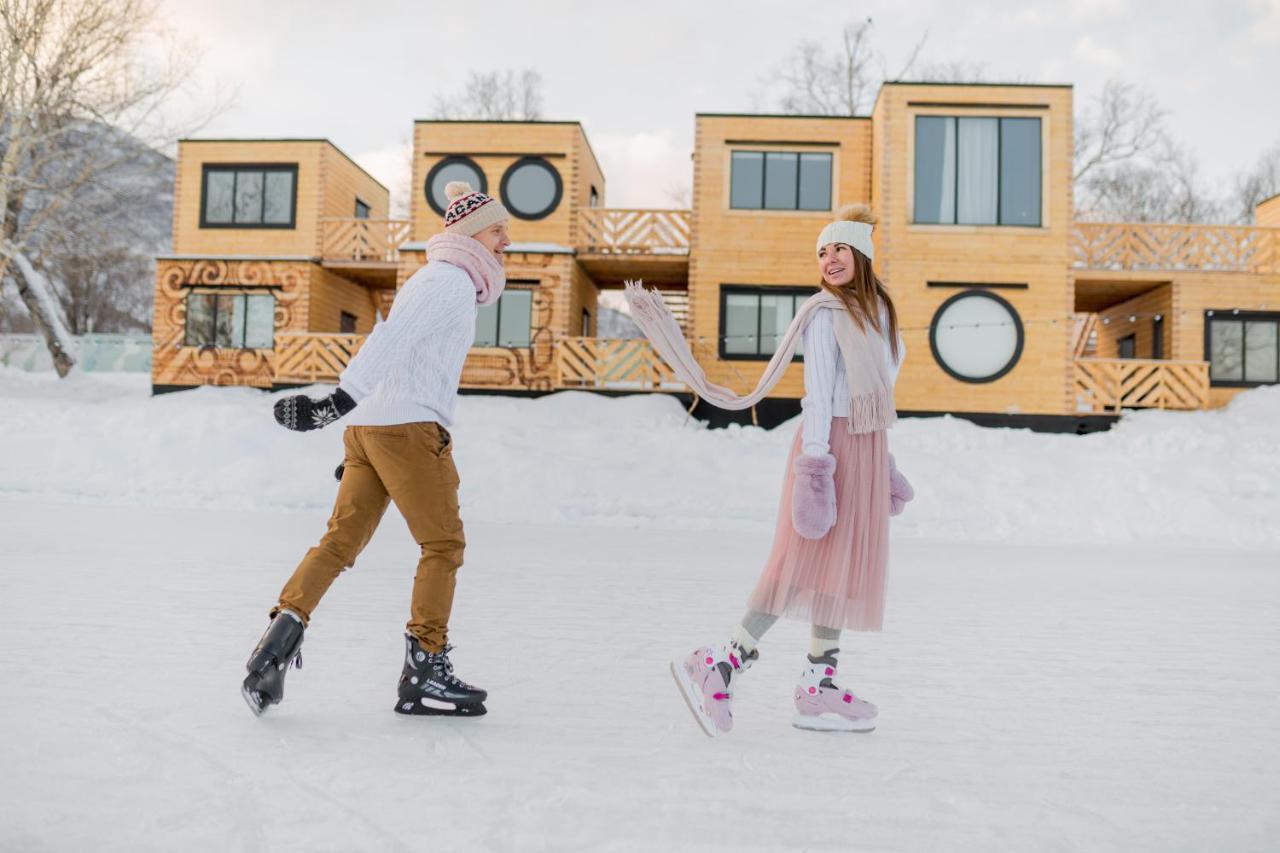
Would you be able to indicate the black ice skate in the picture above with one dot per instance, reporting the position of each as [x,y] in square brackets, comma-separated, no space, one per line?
[279,648]
[428,685]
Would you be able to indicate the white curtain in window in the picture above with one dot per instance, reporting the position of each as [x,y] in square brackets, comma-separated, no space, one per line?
[979,162]
[947,199]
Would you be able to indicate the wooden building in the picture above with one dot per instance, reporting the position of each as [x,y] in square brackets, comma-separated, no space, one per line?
[1012,311]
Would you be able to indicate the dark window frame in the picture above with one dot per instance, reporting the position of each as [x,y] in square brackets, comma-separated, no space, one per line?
[727,290]
[445,162]
[1157,337]
[1132,340]
[367,209]
[1241,317]
[955,190]
[1017,323]
[210,168]
[532,160]
[531,287]
[355,321]
[764,180]
[230,294]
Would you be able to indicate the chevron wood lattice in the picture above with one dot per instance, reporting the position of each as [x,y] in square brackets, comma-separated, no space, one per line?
[621,231]
[1143,246]
[1109,385]
[605,363]
[314,358]
[362,240]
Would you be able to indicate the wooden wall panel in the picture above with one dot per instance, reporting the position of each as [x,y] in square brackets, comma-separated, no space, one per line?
[495,146]
[761,247]
[1196,293]
[1267,214]
[302,240]
[343,182]
[909,255]
[583,297]
[173,363]
[1115,323]
[330,295]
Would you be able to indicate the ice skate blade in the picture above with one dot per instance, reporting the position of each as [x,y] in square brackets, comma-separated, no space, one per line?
[255,704]
[692,698]
[410,708]
[832,723]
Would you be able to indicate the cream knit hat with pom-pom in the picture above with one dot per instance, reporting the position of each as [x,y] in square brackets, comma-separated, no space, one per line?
[852,227]
[469,211]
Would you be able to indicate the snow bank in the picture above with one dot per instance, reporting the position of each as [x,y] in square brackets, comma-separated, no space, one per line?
[1205,478]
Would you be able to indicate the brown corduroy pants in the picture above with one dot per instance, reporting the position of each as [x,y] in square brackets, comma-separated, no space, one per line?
[411,464]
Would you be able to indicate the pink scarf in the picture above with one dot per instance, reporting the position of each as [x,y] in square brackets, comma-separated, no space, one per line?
[870,386]
[469,254]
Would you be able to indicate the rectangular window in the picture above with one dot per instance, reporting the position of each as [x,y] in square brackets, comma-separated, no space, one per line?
[1128,346]
[230,320]
[507,322]
[779,180]
[1243,348]
[586,323]
[346,323]
[753,320]
[1157,337]
[249,196]
[362,210]
[977,171]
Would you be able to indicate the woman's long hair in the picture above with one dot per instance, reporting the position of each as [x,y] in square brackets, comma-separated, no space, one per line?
[865,293]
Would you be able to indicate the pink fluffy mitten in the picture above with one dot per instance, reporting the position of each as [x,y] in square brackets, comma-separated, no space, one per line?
[900,490]
[813,496]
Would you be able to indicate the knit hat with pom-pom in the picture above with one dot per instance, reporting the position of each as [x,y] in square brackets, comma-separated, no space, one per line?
[469,211]
[852,227]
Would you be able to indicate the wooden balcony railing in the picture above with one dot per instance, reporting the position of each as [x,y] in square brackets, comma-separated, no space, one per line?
[314,357]
[618,231]
[362,240]
[1145,246]
[1109,385]
[603,363]
[579,363]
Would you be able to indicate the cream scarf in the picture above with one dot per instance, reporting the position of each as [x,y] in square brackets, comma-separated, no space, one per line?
[870,385]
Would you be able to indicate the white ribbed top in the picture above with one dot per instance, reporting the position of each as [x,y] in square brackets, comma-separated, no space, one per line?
[410,365]
[826,390]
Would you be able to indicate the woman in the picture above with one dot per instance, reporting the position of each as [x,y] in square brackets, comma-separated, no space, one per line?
[830,550]
[398,448]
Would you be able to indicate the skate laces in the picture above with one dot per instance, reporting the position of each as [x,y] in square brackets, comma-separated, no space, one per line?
[446,665]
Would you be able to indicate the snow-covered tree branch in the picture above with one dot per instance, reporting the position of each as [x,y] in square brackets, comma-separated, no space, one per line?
[73,78]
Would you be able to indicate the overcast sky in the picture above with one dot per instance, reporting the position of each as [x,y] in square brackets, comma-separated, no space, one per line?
[634,74]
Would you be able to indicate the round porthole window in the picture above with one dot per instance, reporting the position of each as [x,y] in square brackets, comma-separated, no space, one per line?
[976,336]
[451,169]
[531,188]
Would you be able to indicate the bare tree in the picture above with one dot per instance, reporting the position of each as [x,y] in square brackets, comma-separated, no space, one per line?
[1128,166]
[494,96]
[1124,123]
[842,82]
[679,194]
[66,67]
[1256,185]
[1162,186]
[952,71]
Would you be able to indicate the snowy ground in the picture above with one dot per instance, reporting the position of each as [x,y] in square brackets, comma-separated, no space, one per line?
[1074,683]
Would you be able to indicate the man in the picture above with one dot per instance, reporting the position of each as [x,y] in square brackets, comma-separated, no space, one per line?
[400,392]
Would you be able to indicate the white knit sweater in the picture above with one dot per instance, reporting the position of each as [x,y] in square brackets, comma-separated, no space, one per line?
[826,391]
[409,367]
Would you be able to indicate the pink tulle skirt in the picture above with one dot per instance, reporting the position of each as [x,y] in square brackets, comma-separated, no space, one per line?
[837,581]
